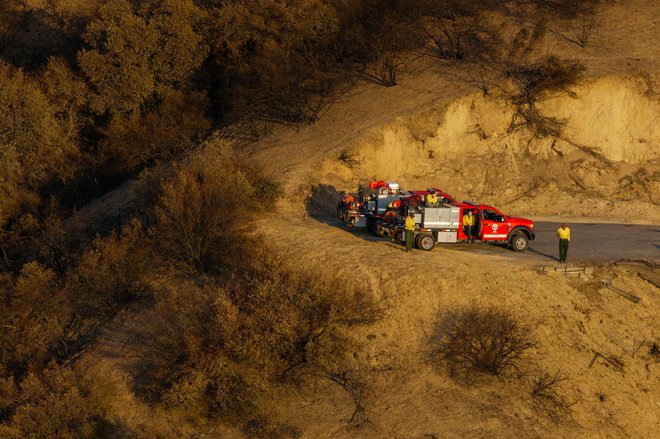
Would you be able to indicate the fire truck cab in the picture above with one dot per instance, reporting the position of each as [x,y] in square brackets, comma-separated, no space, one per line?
[491,225]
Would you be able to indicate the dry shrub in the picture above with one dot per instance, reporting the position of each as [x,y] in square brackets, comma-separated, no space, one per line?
[108,277]
[567,8]
[34,148]
[486,340]
[51,237]
[213,348]
[53,403]
[188,326]
[33,315]
[297,315]
[174,127]
[203,208]
[264,427]
[546,389]
[539,81]
[457,32]
[217,390]
[111,271]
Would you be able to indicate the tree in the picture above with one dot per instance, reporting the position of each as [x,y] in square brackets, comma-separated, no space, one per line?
[68,95]
[136,55]
[273,56]
[117,62]
[181,49]
[34,147]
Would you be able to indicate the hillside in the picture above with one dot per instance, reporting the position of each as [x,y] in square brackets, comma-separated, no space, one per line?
[172,265]
[436,129]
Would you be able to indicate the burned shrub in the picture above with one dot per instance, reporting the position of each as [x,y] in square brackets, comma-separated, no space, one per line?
[546,390]
[485,340]
[536,82]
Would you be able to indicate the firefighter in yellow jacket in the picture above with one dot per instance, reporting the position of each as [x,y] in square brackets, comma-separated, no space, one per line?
[410,231]
[468,225]
[431,199]
[564,235]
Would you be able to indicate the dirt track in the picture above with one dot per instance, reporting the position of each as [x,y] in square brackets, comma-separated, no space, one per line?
[591,242]
[600,242]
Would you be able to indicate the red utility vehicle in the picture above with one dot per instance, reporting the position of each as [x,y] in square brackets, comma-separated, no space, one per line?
[491,225]
[382,210]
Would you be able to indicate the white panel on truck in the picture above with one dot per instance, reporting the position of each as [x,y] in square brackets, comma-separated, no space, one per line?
[450,236]
[441,217]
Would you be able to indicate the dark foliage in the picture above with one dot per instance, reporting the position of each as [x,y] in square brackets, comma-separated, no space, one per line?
[486,340]
[546,389]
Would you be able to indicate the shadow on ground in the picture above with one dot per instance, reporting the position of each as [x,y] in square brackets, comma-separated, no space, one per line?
[321,204]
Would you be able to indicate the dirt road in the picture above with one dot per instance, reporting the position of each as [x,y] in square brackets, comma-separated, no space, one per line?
[590,242]
[599,242]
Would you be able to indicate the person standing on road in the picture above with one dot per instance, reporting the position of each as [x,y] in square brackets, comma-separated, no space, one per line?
[564,235]
[468,225]
[410,231]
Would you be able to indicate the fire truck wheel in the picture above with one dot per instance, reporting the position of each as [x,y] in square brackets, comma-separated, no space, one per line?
[425,242]
[519,242]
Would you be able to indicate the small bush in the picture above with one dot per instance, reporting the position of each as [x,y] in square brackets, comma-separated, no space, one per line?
[486,340]
[110,273]
[203,208]
[32,315]
[171,129]
[546,388]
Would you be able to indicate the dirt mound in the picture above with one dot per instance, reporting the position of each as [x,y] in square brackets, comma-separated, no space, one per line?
[609,154]
[606,166]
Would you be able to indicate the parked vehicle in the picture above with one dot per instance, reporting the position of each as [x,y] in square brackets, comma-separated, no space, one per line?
[444,224]
[368,207]
[381,207]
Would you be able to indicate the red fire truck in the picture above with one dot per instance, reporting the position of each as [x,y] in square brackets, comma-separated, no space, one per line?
[444,224]
[369,205]
[382,209]
[373,205]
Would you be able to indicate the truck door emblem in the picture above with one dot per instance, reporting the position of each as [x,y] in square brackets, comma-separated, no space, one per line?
[494,227]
